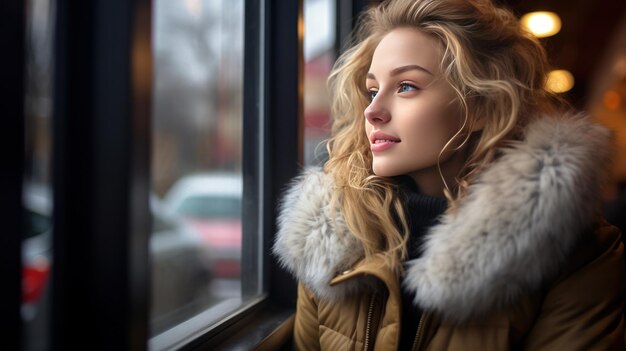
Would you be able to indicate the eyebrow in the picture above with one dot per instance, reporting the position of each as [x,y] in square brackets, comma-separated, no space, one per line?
[401,69]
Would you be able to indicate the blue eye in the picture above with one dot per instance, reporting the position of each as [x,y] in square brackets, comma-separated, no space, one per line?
[406,87]
[373,94]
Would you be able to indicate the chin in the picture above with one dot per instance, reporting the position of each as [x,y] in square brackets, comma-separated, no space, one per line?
[385,171]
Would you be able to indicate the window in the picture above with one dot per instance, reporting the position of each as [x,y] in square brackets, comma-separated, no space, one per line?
[197,161]
[37,254]
[168,168]
[319,56]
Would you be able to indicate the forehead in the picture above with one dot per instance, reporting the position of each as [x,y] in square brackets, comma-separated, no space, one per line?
[407,46]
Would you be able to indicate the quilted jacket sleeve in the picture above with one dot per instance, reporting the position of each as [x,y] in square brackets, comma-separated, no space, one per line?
[306,326]
[584,309]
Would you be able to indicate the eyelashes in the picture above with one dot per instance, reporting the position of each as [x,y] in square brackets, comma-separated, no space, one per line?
[403,87]
[406,87]
[372,93]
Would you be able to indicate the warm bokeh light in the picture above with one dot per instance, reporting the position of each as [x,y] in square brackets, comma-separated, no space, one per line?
[542,23]
[620,66]
[559,81]
[612,100]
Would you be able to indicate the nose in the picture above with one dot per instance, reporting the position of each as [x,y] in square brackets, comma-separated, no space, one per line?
[376,113]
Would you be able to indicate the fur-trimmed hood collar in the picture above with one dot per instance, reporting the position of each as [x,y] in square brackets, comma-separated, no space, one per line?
[520,220]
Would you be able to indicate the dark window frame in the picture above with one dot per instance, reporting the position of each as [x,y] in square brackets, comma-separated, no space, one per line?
[346,15]
[101,119]
[101,152]
[12,68]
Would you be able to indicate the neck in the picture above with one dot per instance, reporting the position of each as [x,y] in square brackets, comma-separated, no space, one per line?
[429,181]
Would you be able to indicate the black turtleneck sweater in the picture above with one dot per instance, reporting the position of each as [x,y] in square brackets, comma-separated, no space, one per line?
[422,212]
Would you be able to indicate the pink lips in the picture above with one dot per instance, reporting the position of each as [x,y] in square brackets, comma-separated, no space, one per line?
[380,141]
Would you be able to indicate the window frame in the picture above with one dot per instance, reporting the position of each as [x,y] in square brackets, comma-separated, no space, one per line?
[12,69]
[101,115]
[346,14]
[101,119]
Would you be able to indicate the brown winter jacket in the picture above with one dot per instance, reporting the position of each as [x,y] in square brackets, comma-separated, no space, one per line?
[521,265]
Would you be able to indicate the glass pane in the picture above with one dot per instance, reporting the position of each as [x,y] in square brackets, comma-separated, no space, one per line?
[319,56]
[37,195]
[196,166]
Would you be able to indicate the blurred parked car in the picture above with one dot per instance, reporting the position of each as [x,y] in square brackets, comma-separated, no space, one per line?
[211,204]
[36,248]
[181,272]
[180,263]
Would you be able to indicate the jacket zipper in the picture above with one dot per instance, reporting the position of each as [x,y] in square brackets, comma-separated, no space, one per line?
[368,326]
[420,331]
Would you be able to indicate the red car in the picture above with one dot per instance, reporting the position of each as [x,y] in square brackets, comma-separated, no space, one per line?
[211,204]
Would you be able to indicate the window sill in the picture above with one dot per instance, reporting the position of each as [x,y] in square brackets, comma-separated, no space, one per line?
[263,327]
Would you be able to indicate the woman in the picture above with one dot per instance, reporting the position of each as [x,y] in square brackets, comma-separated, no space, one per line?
[458,209]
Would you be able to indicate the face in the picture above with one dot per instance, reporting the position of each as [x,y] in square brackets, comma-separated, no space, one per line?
[413,112]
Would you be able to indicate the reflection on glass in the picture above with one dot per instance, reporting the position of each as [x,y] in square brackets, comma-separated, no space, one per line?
[319,41]
[196,165]
[36,193]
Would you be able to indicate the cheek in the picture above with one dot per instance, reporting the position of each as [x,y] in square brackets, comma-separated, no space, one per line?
[430,126]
